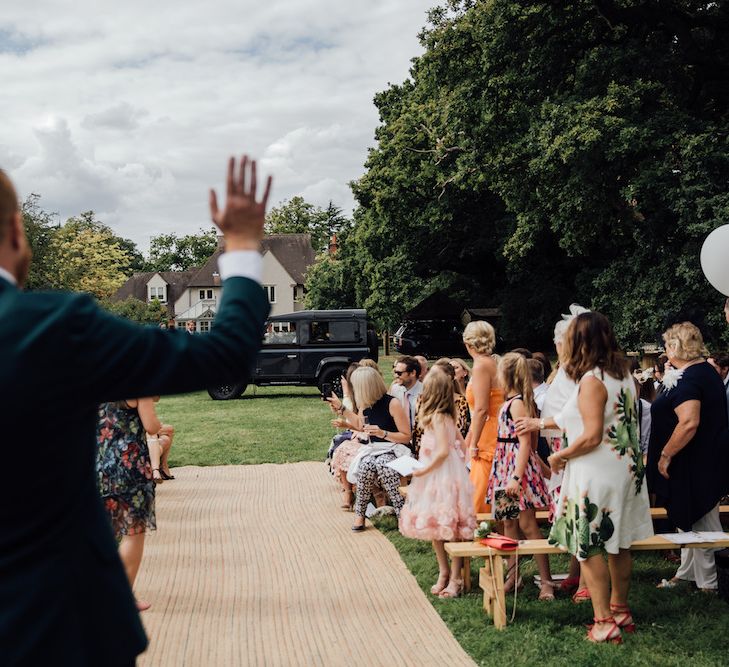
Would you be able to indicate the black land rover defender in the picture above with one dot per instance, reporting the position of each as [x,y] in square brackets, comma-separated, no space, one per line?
[310,347]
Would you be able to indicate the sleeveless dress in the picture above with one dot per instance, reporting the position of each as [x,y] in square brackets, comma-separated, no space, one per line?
[439,505]
[603,505]
[534,491]
[481,465]
[123,470]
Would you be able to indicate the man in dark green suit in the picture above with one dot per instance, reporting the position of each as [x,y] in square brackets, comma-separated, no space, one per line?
[64,596]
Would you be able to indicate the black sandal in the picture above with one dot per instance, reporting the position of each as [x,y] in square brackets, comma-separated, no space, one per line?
[165,475]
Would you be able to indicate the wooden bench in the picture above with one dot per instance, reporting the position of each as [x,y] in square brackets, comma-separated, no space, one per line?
[491,576]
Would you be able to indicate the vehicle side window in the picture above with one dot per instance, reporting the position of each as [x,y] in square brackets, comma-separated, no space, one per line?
[322,332]
[280,333]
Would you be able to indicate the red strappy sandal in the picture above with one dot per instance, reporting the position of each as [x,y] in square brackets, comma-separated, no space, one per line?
[623,617]
[581,595]
[614,636]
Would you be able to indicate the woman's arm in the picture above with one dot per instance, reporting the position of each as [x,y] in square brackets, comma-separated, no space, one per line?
[591,402]
[442,445]
[353,418]
[402,435]
[148,415]
[513,488]
[689,414]
[531,424]
[481,383]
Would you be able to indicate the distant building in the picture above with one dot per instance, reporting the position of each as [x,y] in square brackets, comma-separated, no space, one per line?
[194,294]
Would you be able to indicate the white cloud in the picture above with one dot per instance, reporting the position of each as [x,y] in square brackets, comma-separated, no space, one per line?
[131,112]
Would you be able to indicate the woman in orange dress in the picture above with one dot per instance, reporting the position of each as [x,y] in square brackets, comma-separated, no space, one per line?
[485,398]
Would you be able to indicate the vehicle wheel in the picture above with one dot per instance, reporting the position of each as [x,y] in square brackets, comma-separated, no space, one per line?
[333,376]
[226,392]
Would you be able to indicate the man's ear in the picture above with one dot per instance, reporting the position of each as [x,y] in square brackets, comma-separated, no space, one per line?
[17,231]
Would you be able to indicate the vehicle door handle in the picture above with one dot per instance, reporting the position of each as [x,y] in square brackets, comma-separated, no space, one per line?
[292,356]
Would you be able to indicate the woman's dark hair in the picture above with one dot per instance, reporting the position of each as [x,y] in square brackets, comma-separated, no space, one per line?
[661,363]
[544,360]
[647,391]
[590,343]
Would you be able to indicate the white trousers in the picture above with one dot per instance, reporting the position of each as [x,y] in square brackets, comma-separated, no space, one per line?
[698,564]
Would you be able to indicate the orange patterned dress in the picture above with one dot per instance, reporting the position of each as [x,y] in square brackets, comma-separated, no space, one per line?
[481,466]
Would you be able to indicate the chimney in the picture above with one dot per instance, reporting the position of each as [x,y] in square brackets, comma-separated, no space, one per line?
[333,245]
[216,278]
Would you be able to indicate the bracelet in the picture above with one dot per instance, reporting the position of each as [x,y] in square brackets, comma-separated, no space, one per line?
[385,434]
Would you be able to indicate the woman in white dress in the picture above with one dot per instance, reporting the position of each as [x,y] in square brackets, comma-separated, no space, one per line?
[603,505]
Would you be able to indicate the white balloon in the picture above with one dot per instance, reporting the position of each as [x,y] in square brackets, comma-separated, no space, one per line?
[715,259]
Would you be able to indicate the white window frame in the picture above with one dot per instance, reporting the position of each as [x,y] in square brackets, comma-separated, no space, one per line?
[201,294]
[158,294]
[270,293]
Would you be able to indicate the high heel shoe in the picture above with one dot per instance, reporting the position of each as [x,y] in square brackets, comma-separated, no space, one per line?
[623,617]
[581,595]
[452,590]
[613,635]
[157,476]
[166,475]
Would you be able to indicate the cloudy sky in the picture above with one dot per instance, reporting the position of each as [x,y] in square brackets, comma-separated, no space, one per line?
[131,111]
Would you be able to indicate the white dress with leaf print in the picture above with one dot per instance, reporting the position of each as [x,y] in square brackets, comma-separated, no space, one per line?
[603,504]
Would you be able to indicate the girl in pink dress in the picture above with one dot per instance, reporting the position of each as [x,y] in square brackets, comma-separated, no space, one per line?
[516,486]
[439,506]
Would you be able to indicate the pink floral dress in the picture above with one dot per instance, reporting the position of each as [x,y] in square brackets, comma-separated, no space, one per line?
[535,494]
[440,504]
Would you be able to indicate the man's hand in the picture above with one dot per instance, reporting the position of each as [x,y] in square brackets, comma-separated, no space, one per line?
[241,221]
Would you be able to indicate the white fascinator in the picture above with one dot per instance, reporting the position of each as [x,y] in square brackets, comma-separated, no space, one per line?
[560,329]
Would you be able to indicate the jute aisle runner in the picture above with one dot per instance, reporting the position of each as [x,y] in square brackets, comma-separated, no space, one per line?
[256,565]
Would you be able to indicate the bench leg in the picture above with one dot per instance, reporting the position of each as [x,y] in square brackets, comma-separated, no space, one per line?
[499,596]
[466,574]
[486,584]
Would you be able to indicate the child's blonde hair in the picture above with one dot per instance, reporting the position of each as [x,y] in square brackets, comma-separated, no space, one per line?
[437,397]
[515,377]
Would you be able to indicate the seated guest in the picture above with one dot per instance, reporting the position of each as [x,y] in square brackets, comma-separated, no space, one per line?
[370,363]
[720,362]
[406,387]
[687,449]
[386,433]
[423,366]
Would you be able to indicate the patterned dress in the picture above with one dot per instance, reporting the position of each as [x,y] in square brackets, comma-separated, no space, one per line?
[603,506]
[534,491]
[123,470]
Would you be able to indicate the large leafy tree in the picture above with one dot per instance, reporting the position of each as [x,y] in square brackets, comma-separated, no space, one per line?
[40,227]
[170,252]
[138,311]
[547,152]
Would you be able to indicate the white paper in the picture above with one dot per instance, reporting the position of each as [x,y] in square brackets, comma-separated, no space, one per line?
[555,481]
[695,537]
[370,510]
[405,465]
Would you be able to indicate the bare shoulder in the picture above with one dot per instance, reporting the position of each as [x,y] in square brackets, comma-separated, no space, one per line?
[518,409]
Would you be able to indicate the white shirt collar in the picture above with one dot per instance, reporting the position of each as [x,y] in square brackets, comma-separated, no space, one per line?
[4,273]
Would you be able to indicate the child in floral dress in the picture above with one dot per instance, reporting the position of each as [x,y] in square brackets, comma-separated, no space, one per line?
[516,487]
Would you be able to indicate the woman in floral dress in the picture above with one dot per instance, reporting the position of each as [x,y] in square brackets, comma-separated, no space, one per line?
[125,477]
[603,504]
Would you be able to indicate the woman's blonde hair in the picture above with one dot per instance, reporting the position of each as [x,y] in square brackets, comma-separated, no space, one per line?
[437,397]
[368,385]
[370,363]
[685,341]
[515,377]
[445,364]
[480,336]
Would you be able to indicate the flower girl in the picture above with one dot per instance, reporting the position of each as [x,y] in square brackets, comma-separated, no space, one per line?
[439,506]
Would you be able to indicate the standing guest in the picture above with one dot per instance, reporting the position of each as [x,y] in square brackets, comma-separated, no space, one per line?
[463,374]
[190,327]
[527,354]
[646,396]
[484,398]
[687,452]
[560,389]
[440,496]
[516,471]
[539,386]
[603,505]
[720,362]
[463,415]
[125,477]
[658,370]
[423,366]
[67,596]
[387,432]
[546,364]
[407,387]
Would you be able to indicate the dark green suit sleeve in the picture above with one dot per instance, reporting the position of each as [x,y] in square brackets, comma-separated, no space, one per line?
[116,359]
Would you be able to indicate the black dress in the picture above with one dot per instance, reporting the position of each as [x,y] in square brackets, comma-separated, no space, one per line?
[379,415]
[698,474]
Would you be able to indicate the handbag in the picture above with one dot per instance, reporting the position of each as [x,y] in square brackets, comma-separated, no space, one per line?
[500,542]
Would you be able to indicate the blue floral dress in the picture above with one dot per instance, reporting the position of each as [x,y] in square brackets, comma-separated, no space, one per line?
[123,470]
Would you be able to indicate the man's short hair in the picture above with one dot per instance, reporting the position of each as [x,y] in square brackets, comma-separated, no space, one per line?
[8,203]
[523,352]
[536,369]
[411,364]
[721,359]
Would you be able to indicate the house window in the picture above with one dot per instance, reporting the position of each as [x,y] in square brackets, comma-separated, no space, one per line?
[204,325]
[210,294]
[180,325]
[270,293]
[202,294]
[157,293]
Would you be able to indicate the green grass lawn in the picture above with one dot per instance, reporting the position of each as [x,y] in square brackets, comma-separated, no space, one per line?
[287,424]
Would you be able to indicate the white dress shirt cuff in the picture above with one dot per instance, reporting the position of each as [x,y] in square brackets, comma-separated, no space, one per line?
[4,273]
[241,263]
